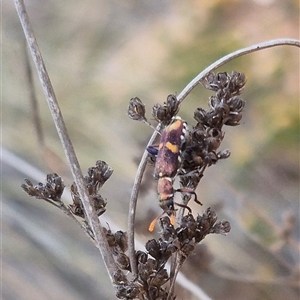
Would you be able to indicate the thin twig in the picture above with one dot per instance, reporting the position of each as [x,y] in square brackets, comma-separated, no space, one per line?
[231,56]
[34,103]
[93,220]
[133,203]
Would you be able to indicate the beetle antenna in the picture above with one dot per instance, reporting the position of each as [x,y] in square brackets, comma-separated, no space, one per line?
[153,223]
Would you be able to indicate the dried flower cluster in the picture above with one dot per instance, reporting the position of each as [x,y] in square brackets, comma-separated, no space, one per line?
[152,272]
[51,190]
[198,150]
[95,179]
[225,108]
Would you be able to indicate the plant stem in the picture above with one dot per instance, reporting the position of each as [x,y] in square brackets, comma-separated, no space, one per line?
[225,59]
[100,238]
[133,203]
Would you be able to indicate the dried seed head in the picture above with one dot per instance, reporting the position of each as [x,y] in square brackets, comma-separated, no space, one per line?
[152,265]
[233,83]
[153,247]
[224,154]
[187,248]
[160,278]
[207,223]
[192,178]
[55,186]
[97,176]
[168,230]
[110,238]
[164,113]
[29,188]
[141,257]
[130,291]
[76,207]
[200,115]
[222,227]
[189,222]
[238,81]
[136,109]
[121,240]
[122,261]
[51,190]
[119,277]
[99,204]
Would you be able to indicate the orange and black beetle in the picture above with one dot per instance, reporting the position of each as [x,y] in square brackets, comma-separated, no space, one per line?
[167,164]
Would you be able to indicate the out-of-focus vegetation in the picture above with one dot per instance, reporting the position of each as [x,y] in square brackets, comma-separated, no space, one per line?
[99,54]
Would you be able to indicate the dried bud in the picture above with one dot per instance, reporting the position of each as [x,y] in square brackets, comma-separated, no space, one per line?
[153,292]
[28,188]
[160,278]
[190,180]
[166,112]
[168,230]
[166,250]
[130,291]
[238,81]
[236,104]
[51,190]
[187,248]
[136,109]
[153,248]
[119,277]
[55,186]
[110,238]
[122,261]
[234,119]
[173,104]
[213,139]
[215,82]
[121,240]
[143,272]
[97,176]
[76,207]
[77,210]
[99,204]
[223,154]
[152,265]
[189,222]
[141,257]
[221,228]
[200,116]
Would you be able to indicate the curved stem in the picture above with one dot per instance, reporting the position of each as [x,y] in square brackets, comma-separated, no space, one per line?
[133,203]
[231,56]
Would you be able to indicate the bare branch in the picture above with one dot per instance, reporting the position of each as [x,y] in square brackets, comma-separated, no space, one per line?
[227,58]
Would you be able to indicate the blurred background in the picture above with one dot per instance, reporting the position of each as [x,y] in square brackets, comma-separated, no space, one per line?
[99,54]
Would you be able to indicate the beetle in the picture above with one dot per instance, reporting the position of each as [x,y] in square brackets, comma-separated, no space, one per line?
[167,164]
